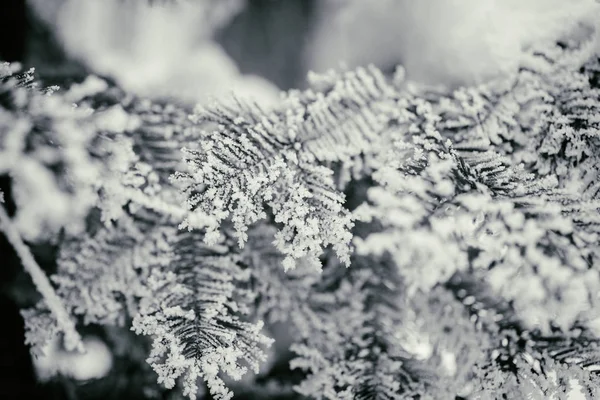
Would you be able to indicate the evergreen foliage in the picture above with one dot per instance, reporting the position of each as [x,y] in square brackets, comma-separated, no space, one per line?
[417,244]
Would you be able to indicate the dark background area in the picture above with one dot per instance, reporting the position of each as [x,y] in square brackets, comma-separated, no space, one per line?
[269,38]
[14,25]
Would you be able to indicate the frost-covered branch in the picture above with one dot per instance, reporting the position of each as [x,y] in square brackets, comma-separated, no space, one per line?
[255,158]
[54,303]
[193,313]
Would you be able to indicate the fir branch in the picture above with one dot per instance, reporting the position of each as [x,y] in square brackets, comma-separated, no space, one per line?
[545,363]
[193,313]
[57,155]
[103,275]
[255,158]
[355,344]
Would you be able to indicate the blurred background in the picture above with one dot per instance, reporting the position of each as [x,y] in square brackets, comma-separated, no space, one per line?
[182,49]
[193,49]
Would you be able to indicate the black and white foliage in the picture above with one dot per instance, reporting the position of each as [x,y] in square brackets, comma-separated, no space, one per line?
[416,243]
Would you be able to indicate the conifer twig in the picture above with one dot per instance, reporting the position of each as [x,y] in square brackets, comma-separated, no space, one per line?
[72,339]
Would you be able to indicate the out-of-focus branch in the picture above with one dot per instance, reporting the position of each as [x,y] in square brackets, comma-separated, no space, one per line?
[54,303]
